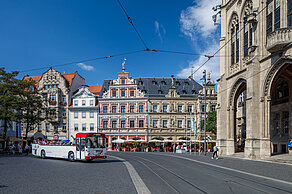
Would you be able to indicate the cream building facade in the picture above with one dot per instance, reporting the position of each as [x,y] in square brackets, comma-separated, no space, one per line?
[56,90]
[170,111]
[255,84]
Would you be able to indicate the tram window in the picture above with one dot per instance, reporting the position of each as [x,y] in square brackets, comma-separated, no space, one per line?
[95,142]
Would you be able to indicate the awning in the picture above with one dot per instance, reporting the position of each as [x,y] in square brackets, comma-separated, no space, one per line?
[38,135]
[118,141]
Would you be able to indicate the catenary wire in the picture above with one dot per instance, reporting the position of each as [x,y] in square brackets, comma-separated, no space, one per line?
[86,60]
[212,56]
[131,22]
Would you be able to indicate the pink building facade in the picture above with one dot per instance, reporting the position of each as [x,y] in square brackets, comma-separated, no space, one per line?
[123,110]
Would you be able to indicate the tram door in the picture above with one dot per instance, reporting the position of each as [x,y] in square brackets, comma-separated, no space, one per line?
[80,148]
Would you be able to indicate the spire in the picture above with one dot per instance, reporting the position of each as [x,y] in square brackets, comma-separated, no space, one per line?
[123,64]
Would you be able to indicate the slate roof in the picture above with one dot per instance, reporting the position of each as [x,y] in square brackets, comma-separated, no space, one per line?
[159,87]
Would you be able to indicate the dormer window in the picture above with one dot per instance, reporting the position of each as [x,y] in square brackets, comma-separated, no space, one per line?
[163,83]
[184,92]
[144,91]
[187,83]
[160,92]
[177,83]
[193,91]
[154,82]
[140,82]
[114,93]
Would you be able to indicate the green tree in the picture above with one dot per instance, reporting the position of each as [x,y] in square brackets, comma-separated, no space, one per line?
[33,108]
[211,122]
[8,99]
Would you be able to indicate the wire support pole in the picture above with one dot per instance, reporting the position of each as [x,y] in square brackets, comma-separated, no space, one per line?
[205,108]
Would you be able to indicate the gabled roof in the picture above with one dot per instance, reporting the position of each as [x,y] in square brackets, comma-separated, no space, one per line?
[68,77]
[35,78]
[159,87]
[95,89]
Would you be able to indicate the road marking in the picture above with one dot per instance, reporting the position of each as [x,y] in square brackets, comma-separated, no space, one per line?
[234,170]
[140,186]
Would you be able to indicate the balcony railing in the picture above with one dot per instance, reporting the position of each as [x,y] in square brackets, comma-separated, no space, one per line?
[63,103]
[278,39]
[52,102]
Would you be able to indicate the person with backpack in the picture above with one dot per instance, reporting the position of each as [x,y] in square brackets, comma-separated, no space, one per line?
[215,152]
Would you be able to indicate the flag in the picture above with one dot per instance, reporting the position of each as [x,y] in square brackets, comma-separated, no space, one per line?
[192,123]
[195,124]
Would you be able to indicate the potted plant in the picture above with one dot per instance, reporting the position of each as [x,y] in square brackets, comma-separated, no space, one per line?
[135,145]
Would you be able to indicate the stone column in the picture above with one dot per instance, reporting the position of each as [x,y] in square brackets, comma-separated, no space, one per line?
[265,145]
[109,142]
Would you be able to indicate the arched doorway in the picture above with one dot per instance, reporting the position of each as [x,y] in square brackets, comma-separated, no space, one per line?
[281,105]
[240,117]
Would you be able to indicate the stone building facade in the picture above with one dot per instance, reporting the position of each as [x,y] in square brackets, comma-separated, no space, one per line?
[83,112]
[56,90]
[255,84]
[171,104]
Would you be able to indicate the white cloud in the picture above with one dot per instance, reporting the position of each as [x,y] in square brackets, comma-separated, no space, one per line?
[197,24]
[85,67]
[159,28]
[197,19]
[211,66]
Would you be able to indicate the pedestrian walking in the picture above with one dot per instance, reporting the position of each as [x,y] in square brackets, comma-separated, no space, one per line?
[215,150]
[173,148]
[27,149]
[20,149]
[13,149]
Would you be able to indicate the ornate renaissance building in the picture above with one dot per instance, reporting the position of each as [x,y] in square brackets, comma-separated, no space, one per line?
[56,90]
[255,84]
[123,109]
[171,104]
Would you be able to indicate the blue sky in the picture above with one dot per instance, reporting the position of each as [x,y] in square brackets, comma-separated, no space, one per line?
[36,34]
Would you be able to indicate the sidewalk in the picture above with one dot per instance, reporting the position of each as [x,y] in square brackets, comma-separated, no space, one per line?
[280,158]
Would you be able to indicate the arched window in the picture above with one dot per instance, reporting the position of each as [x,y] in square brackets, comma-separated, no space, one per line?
[234,40]
[247,37]
[273,15]
[289,12]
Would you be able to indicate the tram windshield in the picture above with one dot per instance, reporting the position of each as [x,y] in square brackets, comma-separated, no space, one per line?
[95,142]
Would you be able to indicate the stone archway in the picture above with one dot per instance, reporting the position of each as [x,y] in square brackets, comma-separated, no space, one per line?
[237,102]
[280,91]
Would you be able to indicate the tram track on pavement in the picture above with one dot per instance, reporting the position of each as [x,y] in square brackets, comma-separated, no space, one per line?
[239,177]
[175,189]
[192,184]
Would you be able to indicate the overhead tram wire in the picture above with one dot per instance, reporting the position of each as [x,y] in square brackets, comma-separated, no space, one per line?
[131,22]
[86,60]
[175,52]
[211,56]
